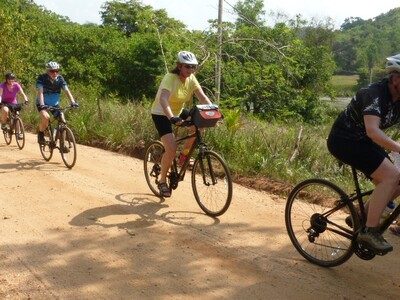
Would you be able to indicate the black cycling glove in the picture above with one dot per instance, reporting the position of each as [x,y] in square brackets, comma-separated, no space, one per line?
[42,107]
[175,120]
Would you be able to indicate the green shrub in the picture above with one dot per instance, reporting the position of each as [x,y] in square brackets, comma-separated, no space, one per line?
[250,146]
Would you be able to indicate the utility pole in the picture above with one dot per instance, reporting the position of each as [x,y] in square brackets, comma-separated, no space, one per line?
[219,54]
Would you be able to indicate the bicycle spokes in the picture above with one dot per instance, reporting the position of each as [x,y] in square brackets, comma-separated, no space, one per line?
[152,165]
[212,183]
[315,220]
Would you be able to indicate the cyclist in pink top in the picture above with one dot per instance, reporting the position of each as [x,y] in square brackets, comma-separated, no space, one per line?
[8,95]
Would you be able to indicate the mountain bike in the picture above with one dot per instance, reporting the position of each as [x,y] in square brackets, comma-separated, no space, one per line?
[210,175]
[59,136]
[315,215]
[14,125]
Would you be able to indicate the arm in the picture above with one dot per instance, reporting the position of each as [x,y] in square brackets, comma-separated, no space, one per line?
[164,96]
[377,135]
[40,96]
[21,92]
[201,96]
[69,95]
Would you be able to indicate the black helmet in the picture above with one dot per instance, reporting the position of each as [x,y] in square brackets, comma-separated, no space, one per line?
[10,75]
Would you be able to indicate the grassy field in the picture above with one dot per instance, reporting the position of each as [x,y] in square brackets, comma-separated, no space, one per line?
[344,85]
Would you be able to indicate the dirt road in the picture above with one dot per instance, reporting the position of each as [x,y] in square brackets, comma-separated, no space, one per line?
[97,232]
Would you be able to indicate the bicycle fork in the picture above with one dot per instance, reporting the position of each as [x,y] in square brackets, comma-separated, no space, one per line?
[210,168]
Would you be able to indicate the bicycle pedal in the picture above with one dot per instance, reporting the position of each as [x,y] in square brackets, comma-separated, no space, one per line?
[382,253]
[376,252]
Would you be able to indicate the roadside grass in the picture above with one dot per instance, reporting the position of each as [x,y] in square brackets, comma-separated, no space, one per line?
[286,152]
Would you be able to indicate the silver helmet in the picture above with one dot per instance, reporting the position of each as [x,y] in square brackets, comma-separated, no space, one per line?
[186,57]
[393,64]
[52,65]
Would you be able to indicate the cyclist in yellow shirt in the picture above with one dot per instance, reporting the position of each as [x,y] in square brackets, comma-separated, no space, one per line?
[176,89]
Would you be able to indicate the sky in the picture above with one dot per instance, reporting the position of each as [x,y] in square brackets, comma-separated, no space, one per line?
[196,13]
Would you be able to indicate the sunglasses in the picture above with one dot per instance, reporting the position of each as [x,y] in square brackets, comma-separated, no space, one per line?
[53,71]
[190,66]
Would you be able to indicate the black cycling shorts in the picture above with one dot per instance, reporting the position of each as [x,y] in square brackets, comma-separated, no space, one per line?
[365,156]
[163,125]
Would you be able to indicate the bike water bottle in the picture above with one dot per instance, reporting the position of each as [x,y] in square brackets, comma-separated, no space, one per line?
[183,156]
[388,210]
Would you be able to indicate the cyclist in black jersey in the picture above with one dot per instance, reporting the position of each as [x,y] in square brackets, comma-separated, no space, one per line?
[357,138]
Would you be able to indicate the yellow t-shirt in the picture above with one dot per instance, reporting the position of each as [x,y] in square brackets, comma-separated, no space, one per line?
[180,93]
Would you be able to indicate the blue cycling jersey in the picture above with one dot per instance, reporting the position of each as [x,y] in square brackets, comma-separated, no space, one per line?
[51,89]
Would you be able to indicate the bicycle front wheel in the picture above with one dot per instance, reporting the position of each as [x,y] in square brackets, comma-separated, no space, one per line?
[47,148]
[68,147]
[152,165]
[315,221]
[212,183]
[19,133]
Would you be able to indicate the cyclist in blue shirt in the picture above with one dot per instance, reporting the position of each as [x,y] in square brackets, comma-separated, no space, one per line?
[49,86]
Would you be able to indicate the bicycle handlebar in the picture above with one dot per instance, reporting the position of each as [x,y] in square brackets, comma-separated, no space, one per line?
[14,107]
[57,108]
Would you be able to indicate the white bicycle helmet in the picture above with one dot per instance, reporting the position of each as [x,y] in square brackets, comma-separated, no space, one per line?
[393,64]
[52,65]
[186,57]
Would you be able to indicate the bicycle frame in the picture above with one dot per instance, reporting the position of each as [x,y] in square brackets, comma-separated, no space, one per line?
[57,129]
[359,195]
[12,117]
[15,125]
[13,110]
[198,141]
[316,218]
[55,124]
[210,176]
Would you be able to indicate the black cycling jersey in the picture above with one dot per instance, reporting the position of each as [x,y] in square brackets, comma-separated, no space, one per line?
[375,100]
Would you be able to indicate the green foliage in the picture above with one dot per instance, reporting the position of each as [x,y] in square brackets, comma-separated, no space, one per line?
[272,77]
[268,150]
[364,44]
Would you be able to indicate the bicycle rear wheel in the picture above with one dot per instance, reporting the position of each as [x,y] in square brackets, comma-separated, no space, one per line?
[8,133]
[212,183]
[19,133]
[152,165]
[47,149]
[68,147]
[315,221]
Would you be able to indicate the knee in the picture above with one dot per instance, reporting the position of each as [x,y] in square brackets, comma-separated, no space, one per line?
[170,151]
[393,178]
[44,115]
